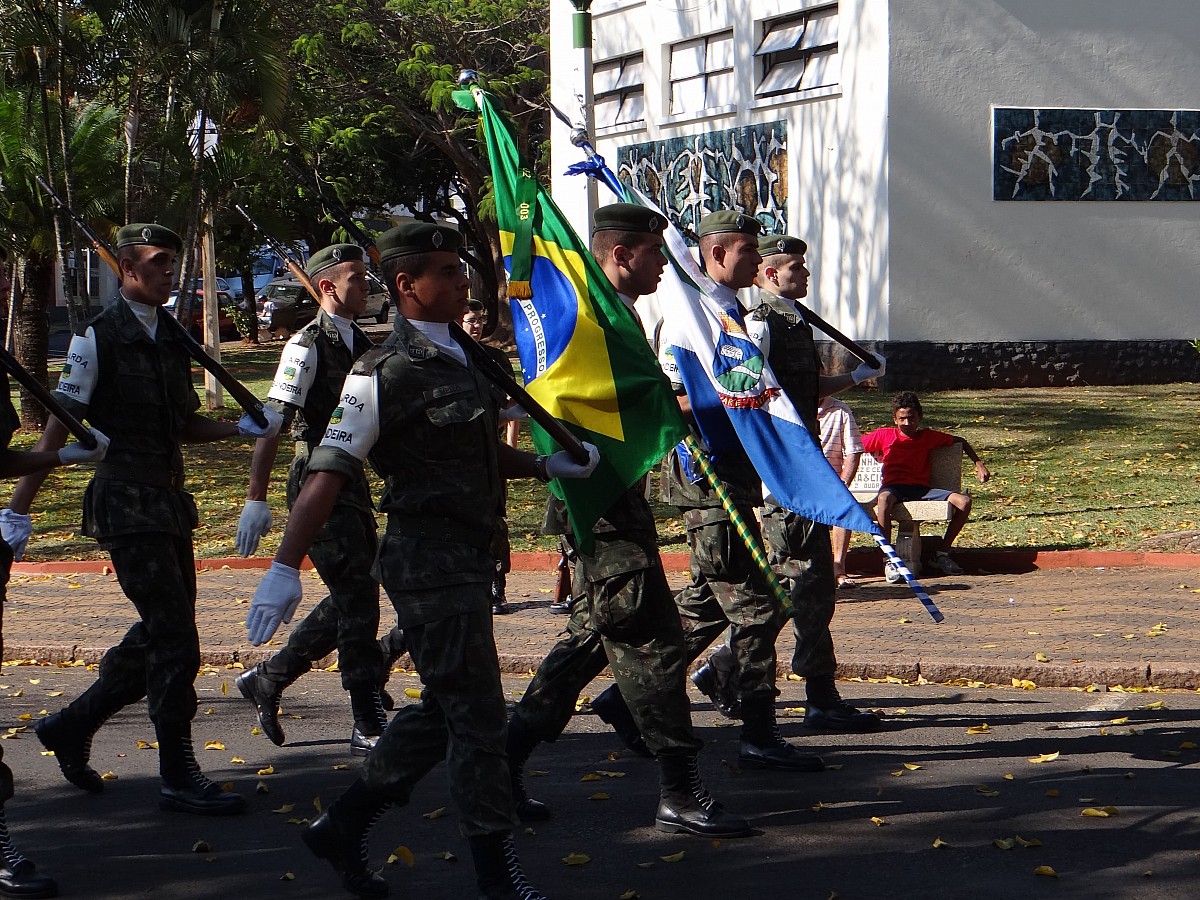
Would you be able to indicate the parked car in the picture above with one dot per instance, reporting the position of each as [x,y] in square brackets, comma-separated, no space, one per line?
[284,306]
[225,324]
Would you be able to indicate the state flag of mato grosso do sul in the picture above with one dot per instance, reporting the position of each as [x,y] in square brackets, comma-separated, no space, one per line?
[583,354]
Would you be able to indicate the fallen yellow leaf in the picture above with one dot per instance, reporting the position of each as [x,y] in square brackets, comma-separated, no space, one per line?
[1045,870]
[1187,745]
[979,729]
[577,859]
[912,767]
[266,770]
[214,745]
[435,814]
[674,857]
[1004,843]
[1045,757]
[109,776]
[1157,704]
[906,621]
[1092,813]
[938,842]
[630,895]
[287,876]
[599,795]
[236,761]
[450,857]
[402,854]
[1121,721]
[591,776]
[286,808]
[1041,657]
[878,821]
[412,693]
[1027,842]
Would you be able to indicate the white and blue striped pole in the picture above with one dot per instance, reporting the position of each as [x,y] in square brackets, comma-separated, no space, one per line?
[894,558]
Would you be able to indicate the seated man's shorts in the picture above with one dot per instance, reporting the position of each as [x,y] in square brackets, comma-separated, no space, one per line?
[907,492]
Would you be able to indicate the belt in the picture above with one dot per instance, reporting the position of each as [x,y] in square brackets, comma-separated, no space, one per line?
[140,475]
[435,528]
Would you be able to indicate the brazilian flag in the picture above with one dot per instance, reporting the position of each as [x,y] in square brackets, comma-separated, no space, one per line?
[583,354]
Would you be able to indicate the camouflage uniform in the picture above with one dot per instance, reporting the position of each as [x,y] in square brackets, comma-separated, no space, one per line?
[799,549]
[629,621]
[344,549]
[436,449]
[726,588]
[136,510]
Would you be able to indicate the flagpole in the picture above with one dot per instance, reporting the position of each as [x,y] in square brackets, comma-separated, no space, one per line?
[739,523]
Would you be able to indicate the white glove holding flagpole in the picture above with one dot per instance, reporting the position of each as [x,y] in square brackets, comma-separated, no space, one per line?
[275,601]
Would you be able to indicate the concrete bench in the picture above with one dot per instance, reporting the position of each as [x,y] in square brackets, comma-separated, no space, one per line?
[945,473]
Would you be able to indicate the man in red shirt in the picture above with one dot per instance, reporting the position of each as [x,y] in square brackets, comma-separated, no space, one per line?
[904,451]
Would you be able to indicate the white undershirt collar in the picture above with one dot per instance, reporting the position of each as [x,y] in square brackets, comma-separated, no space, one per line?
[438,334]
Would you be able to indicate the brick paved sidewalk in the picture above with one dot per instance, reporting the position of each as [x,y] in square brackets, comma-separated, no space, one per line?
[1133,626]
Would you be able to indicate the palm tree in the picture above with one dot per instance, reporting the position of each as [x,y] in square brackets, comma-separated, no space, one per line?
[27,216]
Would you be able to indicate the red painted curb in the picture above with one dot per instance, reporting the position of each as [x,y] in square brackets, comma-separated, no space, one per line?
[861,561]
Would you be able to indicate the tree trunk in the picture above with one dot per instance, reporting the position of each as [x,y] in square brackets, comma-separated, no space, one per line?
[247,277]
[79,304]
[32,333]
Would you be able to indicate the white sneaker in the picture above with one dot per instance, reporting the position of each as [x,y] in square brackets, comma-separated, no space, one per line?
[892,573]
[945,564]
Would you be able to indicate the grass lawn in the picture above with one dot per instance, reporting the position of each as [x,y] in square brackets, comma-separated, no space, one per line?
[1073,468]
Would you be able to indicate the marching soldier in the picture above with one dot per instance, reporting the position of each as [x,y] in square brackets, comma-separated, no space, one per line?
[427,418]
[18,875]
[629,620]
[305,392]
[727,590]
[130,374]
[800,548]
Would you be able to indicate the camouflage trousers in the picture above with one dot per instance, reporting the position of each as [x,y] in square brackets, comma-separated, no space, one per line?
[727,590]
[348,618]
[628,622]
[801,554]
[6,561]
[460,718]
[158,657]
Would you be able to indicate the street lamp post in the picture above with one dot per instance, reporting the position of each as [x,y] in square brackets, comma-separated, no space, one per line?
[203,136]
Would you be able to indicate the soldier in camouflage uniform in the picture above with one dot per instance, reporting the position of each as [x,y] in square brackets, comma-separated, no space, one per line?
[427,418]
[629,620]
[727,590]
[306,389]
[800,549]
[130,374]
[18,875]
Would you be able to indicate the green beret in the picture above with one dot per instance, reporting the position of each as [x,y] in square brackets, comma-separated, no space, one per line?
[628,217]
[417,237]
[150,234]
[724,221]
[773,244]
[330,256]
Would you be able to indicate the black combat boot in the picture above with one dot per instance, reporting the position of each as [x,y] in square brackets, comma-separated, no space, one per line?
[393,645]
[184,787]
[610,707]
[499,603]
[340,836]
[18,875]
[370,719]
[520,744]
[827,711]
[69,732]
[498,870]
[265,694]
[715,681]
[686,805]
[762,746]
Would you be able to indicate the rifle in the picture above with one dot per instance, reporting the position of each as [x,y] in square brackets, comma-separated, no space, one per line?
[22,375]
[240,393]
[339,213]
[279,250]
[579,137]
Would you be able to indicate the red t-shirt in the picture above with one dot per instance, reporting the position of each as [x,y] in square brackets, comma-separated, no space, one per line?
[905,460]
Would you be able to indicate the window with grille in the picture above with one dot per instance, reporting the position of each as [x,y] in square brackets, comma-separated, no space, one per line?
[619,92]
[799,53]
[702,73]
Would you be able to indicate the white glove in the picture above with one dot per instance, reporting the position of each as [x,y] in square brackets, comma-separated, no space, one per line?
[563,465]
[275,601]
[866,370]
[516,412]
[77,453]
[254,522]
[247,427]
[15,528]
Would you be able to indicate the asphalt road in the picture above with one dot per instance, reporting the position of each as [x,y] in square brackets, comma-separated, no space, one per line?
[864,829]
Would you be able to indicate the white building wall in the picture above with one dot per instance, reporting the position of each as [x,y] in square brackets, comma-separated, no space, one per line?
[967,268]
[837,165]
[890,173]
